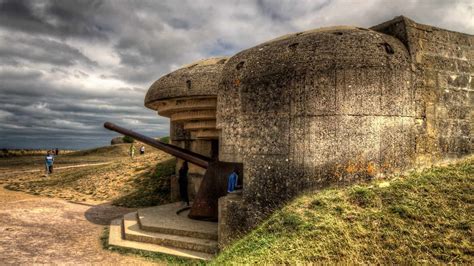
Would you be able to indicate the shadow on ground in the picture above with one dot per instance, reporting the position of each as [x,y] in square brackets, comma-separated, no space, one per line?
[103,214]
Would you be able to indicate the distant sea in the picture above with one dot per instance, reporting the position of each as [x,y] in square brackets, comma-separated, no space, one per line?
[46,144]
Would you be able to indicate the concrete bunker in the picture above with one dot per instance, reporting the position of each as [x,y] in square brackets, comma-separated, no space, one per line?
[338,105]
[317,108]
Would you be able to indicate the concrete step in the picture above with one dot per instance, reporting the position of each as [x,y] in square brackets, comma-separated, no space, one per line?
[116,239]
[133,232]
[163,219]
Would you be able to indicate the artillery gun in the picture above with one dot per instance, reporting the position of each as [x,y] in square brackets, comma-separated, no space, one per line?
[214,183]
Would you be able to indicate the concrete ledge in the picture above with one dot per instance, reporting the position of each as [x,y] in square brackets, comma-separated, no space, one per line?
[133,232]
[198,115]
[168,107]
[163,219]
[115,239]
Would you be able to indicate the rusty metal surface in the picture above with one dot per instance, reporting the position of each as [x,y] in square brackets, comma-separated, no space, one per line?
[213,186]
[181,153]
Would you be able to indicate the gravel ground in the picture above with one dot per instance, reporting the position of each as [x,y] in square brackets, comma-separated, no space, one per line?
[38,230]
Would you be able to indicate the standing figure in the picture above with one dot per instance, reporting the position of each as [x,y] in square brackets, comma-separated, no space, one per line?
[57,151]
[49,160]
[183,183]
[232,181]
[132,151]
[142,150]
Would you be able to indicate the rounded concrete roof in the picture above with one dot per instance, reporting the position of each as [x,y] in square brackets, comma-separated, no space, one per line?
[200,78]
[341,47]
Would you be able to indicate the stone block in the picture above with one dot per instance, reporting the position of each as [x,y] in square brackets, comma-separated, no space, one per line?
[429,33]
[460,39]
[440,63]
[232,219]
[429,78]
[454,81]
[448,50]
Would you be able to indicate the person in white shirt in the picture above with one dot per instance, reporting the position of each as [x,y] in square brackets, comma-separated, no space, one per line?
[49,160]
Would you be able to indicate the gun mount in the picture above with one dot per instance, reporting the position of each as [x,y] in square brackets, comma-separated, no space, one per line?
[214,183]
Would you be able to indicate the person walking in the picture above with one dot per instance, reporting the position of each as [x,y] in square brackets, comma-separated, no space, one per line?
[183,183]
[132,151]
[49,160]
[142,150]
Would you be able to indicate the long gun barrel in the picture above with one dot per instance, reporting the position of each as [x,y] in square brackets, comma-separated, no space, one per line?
[186,155]
[214,183]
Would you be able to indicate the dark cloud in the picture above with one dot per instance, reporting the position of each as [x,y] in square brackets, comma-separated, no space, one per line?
[56,18]
[41,50]
[66,66]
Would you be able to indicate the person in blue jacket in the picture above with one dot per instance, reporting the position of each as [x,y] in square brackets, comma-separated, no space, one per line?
[49,160]
[232,181]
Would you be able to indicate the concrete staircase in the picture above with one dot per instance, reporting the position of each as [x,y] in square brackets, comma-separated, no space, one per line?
[161,229]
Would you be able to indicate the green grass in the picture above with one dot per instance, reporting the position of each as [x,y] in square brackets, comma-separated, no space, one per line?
[128,139]
[165,139]
[423,217]
[111,151]
[151,256]
[151,188]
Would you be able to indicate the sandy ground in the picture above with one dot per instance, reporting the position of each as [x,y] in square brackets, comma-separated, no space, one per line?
[7,173]
[38,230]
[101,175]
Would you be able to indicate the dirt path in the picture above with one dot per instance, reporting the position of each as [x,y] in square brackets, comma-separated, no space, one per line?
[7,173]
[51,231]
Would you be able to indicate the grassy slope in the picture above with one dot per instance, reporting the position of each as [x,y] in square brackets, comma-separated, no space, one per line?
[141,182]
[151,188]
[422,217]
[33,162]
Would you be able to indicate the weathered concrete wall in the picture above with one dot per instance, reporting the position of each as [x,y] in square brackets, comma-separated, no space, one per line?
[443,63]
[336,105]
[320,107]
[232,219]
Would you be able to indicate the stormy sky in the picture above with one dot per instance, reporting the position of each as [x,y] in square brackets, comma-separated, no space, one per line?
[66,66]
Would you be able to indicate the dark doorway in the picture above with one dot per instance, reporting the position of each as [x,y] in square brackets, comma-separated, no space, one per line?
[214,149]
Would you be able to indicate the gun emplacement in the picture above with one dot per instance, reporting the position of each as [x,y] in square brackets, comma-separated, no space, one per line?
[214,183]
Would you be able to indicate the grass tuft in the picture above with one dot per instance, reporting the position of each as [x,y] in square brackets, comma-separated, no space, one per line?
[363,196]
